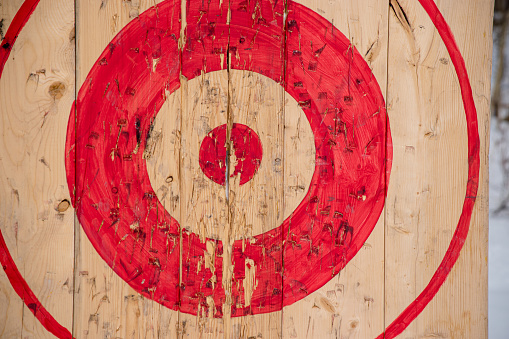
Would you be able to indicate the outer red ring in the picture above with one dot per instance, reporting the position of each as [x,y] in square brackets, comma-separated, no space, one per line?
[460,235]
[123,92]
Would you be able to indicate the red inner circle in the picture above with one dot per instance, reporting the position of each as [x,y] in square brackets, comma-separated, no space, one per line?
[246,146]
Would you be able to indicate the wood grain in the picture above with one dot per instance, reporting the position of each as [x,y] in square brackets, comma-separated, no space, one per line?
[37,89]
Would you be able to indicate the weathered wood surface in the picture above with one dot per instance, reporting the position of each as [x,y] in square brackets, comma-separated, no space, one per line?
[209,87]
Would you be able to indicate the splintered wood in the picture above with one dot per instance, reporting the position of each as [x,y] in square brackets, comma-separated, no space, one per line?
[244,169]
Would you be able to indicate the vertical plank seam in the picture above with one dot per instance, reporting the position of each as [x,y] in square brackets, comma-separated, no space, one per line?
[76,236]
[283,204]
[183,24]
[229,126]
[229,123]
[385,162]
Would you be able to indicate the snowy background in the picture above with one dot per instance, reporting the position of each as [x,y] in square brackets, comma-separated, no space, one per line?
[498,256]
[498,259]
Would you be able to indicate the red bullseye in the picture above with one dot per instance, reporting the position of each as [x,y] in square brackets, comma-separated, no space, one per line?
[246,146]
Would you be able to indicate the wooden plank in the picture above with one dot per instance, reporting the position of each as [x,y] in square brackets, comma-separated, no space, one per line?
[255,206]
[427,186]
[105,305]
[350,304]
[162,154]
[256,193]
[37,89]
[228,32]
[204,208]
[11,306]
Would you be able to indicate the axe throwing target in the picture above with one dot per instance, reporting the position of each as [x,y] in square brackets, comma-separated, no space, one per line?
[120,213]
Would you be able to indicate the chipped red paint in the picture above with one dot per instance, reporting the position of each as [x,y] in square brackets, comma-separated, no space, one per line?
[9,266]
[120,99]
[461,232]
[247,149]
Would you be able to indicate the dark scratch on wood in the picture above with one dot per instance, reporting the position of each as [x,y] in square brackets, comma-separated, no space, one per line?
[400,14]
[2,29]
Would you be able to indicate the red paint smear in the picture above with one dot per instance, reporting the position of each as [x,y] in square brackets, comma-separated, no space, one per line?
[120,98]
[247,149]
[17,281]
[460,235]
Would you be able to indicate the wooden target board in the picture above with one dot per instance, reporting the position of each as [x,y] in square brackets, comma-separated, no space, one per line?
[244,169]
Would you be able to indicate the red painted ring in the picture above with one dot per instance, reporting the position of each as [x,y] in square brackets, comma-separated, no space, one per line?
[121,96]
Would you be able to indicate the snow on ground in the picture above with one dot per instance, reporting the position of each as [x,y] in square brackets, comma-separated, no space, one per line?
[498,279]
[498,256]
